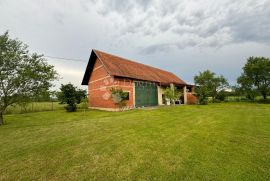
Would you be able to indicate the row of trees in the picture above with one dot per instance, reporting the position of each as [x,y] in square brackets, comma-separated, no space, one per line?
[254,81]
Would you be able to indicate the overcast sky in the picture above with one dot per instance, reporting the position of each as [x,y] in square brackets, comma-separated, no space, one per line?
[183,37]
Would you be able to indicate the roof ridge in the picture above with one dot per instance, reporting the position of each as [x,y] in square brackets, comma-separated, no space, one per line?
[132,61]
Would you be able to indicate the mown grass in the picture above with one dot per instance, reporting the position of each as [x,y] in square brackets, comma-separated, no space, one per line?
[228,141]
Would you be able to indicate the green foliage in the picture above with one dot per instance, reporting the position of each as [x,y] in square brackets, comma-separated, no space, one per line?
[255,77]
[202,94]
[209,84]
[221,96]
[70,95]
[84,103]
[23,75]
[119,97]
[172,94]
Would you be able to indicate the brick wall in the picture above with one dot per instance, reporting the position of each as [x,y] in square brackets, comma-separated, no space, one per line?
[99,86]
[191,99]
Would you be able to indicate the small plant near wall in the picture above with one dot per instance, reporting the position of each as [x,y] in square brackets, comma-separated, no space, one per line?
[119,97]
[172,94]
[84,104]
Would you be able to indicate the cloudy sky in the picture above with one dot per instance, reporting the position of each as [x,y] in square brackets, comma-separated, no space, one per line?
[183,37]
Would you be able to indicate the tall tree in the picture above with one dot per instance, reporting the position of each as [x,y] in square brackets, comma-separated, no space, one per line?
[208,84]
[22,74]
[256,76]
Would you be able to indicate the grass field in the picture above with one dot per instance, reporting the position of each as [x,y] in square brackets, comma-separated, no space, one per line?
[228,141]
[34,107]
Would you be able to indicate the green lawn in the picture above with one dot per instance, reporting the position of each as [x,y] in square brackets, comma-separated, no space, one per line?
[228,141]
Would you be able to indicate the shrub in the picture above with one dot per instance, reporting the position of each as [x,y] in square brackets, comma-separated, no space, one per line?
[119,97]
[172,94]
[71,107]
[221,96]
[71,96]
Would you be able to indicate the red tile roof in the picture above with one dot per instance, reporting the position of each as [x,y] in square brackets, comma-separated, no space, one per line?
[121,67]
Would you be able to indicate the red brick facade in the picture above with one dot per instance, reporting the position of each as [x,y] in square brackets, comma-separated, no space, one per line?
[99,86]
[191,99]
[105,71]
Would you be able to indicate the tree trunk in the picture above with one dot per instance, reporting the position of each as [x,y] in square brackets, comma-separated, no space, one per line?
[264,96]
[1,118]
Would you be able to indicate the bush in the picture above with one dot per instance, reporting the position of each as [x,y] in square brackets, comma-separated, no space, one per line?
[119,97]
[216,101]
[202,95]
[172,94]
[221,96]
[71,108]
[203,100]
[264,101]
[70,95]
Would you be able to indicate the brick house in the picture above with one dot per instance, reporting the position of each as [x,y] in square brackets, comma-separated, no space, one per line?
[145,84]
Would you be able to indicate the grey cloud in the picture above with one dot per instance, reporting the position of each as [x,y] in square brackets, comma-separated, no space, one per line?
[164,26]
[165,47]
[59,17]
[123,7]
[207,33]
[169,7]
[251,26]
[156,48]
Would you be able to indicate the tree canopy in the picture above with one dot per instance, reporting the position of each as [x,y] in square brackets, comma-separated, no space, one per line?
[209,84]
[255,77]
[22,74]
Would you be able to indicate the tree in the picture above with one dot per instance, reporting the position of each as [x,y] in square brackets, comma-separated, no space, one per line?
[246,88]
[22,75]
[209,84]
[70,95]
[119,97]
[172,94]
[256,77]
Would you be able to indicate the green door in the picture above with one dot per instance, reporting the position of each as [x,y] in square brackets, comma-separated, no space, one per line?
[145,94]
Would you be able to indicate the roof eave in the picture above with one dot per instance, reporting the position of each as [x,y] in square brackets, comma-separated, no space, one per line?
[89,68]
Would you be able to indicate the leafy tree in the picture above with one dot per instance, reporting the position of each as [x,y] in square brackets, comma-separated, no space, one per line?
[221,96]
[119,97]
[22,75]
[209,84]
[202,92]
[245,88]
[256,77]
[71,95]
[80,96]
[172,94]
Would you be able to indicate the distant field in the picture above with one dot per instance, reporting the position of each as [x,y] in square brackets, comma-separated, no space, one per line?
[226,141]
[34,107]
